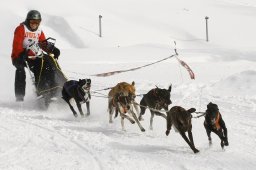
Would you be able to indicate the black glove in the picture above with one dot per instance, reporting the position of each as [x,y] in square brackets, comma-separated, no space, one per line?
[20,61]
[56,52]
[24,55]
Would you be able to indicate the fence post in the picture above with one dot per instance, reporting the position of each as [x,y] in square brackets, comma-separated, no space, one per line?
[206,21]
[100,26]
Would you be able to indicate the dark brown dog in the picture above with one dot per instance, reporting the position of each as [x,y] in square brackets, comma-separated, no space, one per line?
[181,119]
[156,99]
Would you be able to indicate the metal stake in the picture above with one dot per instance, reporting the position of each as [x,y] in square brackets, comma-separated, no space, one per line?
[100,26]
[206,21]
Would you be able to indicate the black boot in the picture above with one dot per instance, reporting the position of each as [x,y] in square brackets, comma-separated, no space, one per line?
[20,84]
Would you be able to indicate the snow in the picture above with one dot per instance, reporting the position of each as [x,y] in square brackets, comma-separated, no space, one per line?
[135,33]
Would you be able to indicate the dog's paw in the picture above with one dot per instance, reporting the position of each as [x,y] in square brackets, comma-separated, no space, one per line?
[167,132]
[75,114]
[210,143]
[195,150]
[222,144]
[132,121]
[141,118]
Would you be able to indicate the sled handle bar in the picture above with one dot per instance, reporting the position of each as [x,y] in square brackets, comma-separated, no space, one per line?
[32,57]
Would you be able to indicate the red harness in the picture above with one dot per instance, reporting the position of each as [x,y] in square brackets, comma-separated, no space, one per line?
[217,121]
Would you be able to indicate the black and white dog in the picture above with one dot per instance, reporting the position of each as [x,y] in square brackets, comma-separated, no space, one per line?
[78,91]
[155,99]
[214,123]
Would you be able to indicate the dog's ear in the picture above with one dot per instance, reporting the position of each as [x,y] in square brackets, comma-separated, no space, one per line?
[133,83]
[88,81]
[81,82]
[170,88]
[191,110]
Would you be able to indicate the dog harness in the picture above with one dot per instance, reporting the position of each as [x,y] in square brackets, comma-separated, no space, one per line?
[69,86]
[217,121]
[74,84]
[216,124]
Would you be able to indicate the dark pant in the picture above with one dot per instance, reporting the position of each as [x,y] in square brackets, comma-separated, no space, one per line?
[20,79]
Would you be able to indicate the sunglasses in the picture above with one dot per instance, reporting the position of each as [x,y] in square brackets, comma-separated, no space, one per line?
[34,22]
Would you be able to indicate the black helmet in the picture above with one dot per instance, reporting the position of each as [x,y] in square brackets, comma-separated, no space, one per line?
[33,14]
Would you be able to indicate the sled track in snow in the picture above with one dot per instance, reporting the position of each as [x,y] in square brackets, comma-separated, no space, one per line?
[13,150]
[94,159]
[8,154]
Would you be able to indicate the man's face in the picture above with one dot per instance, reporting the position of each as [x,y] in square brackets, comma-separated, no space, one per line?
[34,24]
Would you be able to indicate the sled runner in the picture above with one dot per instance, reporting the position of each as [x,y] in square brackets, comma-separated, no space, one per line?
[48,77]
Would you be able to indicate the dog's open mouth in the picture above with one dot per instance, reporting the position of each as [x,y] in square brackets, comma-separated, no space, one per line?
[86,87]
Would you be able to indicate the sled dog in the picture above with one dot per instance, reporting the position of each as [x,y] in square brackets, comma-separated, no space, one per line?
[156,99]
[78,91]
[181,120]
[214,123]
[121,100]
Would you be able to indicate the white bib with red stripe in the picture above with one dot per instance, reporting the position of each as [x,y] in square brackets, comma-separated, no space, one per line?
[31,36]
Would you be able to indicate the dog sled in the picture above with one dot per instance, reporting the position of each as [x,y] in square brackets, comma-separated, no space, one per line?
[45,71]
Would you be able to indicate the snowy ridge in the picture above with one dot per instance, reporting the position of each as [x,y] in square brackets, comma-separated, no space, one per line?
[238,84]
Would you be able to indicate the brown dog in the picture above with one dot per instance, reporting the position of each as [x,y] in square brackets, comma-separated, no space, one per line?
[181,119]
[121,99]
[126,88]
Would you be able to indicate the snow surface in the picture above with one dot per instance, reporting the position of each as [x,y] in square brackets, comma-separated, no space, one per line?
[135,33]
